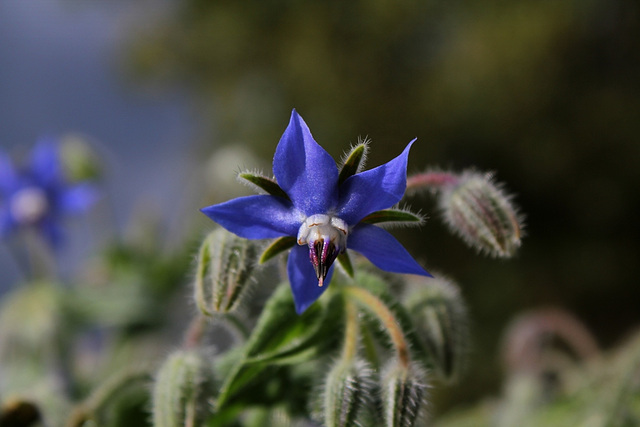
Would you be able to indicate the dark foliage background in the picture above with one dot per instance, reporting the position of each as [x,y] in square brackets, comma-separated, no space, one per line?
[545,93]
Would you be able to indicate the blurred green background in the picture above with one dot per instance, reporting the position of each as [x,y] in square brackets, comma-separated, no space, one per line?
[546,93]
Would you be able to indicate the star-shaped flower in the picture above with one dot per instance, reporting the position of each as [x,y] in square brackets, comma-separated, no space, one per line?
[38,196]
[322,211]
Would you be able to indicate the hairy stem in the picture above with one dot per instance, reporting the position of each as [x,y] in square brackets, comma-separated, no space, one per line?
[350,332]
[195,331]
[430,181]
[386,317]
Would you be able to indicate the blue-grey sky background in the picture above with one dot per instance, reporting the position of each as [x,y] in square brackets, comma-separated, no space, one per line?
[60,73]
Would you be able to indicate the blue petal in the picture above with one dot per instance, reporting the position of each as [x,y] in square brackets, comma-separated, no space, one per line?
[7,223]
[373,190]
[8,176]
[256,217]
[52,232]
[304,170]
[45,163]
[302,278]
[78,198]
[383,250]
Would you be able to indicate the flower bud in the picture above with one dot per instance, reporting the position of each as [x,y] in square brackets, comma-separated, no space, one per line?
[182,390]
[226,263]
[404,394]
[79,159]
[347,392]
[482,214]
[441,323]
[30,325]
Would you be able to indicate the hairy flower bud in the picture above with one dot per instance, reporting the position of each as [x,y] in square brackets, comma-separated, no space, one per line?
[79,158]
[441,323]
[404,394]
[482,214]
[181,390]
[225,270]
[347,391]
[30,323]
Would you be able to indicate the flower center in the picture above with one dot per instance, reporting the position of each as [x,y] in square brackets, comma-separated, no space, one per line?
[29,205]
[326,237]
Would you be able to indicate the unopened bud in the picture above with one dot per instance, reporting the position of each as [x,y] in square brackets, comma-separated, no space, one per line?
[482,214]
[226,264]
[347,393]
[79,159]
[30,323]
[404,394]
[441,323]
[182,390]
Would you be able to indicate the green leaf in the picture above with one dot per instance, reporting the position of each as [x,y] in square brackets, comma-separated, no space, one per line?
[267,184]
[282,337]
[278,246]
[353,162]
[345,263]
[392,215]
[281,332]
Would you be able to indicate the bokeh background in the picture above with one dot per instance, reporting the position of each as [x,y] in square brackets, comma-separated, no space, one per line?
[177,95]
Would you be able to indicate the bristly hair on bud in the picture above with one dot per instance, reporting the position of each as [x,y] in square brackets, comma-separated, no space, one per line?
[404,394]
[482,214]
[225,271]
[261,183]
[182,389]
[441,321]
[347,393]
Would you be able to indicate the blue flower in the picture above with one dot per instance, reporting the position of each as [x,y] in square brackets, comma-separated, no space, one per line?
[38,195]
[324,212]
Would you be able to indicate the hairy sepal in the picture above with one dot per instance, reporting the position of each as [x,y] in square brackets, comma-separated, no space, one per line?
[269,185]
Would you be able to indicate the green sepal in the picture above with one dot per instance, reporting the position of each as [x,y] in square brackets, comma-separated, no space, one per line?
[282,337]
[345,263]
[353,162]
[279,245]
[392,215]
[267,184]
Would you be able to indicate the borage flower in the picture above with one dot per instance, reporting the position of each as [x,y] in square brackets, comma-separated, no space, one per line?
[38,195]
[322,211]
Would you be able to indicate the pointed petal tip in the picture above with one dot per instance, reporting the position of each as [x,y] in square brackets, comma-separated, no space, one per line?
[303,280]
[295,115]
[301,308]
[383,250]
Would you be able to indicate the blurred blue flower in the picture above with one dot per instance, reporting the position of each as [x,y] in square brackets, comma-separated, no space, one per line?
[323,213]
[38,195]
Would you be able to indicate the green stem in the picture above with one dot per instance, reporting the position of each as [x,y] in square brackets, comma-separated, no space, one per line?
[97,401]
[386,317]
[350,348]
